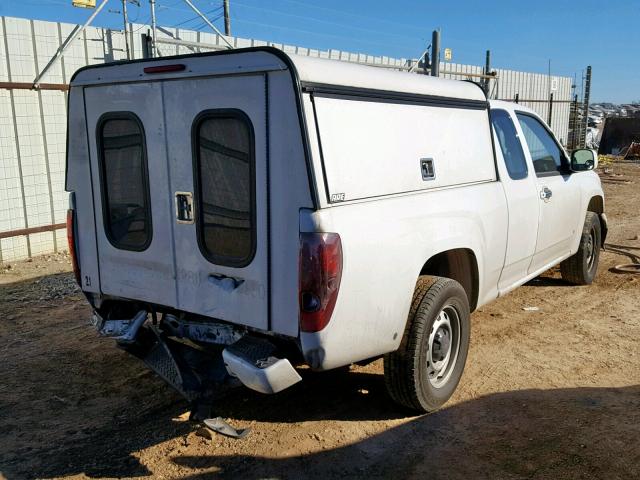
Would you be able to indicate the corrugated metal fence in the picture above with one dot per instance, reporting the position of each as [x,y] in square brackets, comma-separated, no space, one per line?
[33,123]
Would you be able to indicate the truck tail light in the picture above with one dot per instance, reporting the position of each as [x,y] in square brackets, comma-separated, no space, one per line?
[72,244]
[320,266]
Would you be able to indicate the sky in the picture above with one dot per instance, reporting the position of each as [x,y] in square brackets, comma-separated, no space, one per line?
[522,35]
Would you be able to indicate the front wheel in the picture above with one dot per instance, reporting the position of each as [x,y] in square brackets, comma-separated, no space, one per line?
[581,268]
[424,372]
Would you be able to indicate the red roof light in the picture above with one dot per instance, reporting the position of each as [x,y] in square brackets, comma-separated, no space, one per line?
[178,67]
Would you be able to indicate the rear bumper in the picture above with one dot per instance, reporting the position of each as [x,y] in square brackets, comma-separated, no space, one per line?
[250,359]
[270,375]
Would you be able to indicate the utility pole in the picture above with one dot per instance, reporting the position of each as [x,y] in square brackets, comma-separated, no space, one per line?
[549,77]
[126,27]
[227,20]
[435,53]
[154,46]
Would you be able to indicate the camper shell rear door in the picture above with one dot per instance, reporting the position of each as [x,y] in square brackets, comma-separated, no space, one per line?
[179,171]
[126,137]
[217,151]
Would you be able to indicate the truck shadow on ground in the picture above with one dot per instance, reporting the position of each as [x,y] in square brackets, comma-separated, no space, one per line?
[564,433]
[546,281]
[105,450]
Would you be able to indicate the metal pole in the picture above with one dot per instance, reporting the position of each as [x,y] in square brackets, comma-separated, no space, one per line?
[227,20]
[435,53]
[154,47]
[517,99]
[550,108]
[573,122]
[487,69]
[126,28]
[549,77]
[585,106]
[76,31]
[206,20]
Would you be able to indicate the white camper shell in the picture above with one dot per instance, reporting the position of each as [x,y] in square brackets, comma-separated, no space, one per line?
[269,202]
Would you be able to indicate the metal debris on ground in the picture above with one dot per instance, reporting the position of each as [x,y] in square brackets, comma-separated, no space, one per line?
[219,425]
[530,309]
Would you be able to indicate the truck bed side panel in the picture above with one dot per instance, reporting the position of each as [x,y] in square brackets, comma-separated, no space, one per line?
[385,243]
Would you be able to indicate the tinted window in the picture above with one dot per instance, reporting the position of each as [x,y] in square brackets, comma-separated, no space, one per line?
[225,187]
[545,152]
[509,144]
[125,193]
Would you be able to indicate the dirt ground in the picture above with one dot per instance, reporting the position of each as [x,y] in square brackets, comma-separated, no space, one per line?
[546,394]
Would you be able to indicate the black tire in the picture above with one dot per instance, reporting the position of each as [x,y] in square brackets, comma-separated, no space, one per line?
[409,376]
[581,268]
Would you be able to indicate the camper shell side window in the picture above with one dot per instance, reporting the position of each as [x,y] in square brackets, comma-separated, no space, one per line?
[124,181]
[224,174]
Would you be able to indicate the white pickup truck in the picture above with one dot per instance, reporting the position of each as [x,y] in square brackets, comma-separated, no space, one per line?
[241,213]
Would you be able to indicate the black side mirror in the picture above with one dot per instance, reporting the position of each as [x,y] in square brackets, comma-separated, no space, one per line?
[583,159]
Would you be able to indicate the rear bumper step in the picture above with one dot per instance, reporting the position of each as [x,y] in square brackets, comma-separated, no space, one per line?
[251,361]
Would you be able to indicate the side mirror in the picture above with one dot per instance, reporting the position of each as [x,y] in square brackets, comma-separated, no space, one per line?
[583,159]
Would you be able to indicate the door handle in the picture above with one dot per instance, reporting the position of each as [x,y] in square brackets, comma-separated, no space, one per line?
[545,194]
[225,282]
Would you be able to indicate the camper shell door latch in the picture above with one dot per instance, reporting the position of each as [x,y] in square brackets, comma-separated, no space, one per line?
[184,207]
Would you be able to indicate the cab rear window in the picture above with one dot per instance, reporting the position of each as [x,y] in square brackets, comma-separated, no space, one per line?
[124,180]
[510,146]
[225,187]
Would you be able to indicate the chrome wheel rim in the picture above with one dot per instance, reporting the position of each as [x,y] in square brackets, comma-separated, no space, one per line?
[443,346]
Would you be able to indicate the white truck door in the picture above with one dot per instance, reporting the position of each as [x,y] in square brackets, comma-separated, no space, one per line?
[217,150]
[519,183]
[130,189]
[558,196]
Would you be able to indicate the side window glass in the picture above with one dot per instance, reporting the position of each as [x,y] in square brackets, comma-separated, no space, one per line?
[225,179]
[510,145]
[545,152]
[124,181]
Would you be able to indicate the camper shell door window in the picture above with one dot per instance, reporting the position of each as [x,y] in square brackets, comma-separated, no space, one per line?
[124,181]
[224,173]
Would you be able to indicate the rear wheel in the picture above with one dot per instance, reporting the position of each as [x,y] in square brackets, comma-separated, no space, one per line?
[424,372]
[581,268]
